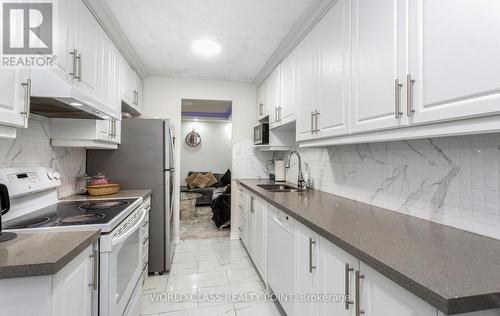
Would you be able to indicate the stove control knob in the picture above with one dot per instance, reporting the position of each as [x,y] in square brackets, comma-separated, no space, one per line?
[50,175]
[57,175]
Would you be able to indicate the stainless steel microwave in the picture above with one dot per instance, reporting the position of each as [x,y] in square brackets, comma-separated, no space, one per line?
[261,134]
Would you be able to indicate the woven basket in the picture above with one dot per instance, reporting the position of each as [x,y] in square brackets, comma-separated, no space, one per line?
[103,189]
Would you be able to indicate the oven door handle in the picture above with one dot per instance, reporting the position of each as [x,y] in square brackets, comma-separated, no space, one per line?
[121,239]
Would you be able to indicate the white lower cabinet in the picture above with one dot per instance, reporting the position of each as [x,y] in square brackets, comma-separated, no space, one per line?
[336,277]
[382,297]
[71,291]
[260,223]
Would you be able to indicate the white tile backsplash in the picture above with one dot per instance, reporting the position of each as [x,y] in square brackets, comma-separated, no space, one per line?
[454,180]
[32,148]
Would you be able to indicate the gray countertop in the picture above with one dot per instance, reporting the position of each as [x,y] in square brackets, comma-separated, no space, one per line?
[44,253]
[123,194]
[451,269]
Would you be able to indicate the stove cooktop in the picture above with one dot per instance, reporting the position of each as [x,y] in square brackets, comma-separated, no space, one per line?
[70,214]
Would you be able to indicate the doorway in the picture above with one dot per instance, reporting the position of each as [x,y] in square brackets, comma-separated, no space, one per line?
[206,159]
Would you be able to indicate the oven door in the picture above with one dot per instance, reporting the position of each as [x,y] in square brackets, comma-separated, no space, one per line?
[124,265]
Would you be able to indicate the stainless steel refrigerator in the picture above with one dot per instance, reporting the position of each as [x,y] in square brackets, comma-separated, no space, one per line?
[145,160]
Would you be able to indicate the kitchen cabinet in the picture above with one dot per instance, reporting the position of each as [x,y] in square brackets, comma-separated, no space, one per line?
[243,203]
[453,48]
[379,30]
[14,100]
[73,286]
[382,297]
[306,270]
[262,101]
[273,96]
[287,92]
[336,275]
[94,134]
[281,258]
[63,39]
[73,290]
[260,222]
[132,88]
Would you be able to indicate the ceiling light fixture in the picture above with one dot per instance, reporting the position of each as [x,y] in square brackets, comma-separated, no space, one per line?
[206,47]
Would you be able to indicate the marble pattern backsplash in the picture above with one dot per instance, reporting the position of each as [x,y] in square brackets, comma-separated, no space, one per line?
[454,180]
[248,163]
[32,148]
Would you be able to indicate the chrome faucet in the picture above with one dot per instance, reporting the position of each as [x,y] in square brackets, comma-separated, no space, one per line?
[301,183]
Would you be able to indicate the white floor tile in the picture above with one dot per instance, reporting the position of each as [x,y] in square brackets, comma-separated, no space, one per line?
[169,301]
[194,256]
[232,253]
[222,310]
[260,309]
[242,276]
[223,264]
[187,246]
[155,283]
[244,293]
[184,268]
[197,280]
[219,244]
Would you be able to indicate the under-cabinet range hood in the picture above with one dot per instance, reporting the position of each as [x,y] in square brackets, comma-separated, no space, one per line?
[54,97]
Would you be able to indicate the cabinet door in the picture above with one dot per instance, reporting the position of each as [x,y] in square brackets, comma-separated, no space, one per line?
[128,83]
[273,93]
[260,215]
[454,59]
[334,71]
[382,297]
[261,101]
[13,97]
[305,55]
[140,91]
[72,294]
[378,60]
[251,228]
[287,111]
[64,28]
[336,276]
[87,31]
[306,273]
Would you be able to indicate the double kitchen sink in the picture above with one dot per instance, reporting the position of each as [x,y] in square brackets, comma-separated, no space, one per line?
[278,187]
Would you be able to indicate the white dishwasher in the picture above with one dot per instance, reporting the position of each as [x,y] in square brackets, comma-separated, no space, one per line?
[280,254]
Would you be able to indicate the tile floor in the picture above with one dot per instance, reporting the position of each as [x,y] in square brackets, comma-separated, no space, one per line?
[209,277]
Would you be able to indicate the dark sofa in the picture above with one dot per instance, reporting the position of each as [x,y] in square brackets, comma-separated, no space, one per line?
[206,193]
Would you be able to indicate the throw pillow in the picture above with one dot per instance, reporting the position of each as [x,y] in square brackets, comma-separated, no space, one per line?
[190,179]
[201,181]
[212,178]
[226,178]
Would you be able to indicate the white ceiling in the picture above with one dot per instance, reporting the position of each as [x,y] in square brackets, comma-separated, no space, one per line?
[161,32]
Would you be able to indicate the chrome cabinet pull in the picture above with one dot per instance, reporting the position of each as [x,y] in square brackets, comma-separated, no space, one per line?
[95,268]
[316,115]
[311,244]
[358,277]
[348,301]
[312,122]
[79,58]
[27,98]
[397,98]
[74,72]
[409,95]
[280,115]
[251,205]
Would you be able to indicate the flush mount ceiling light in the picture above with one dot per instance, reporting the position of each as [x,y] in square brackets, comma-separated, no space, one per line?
[206,47]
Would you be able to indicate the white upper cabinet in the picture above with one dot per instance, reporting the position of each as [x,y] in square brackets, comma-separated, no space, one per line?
[132,87]
[378,64]
[306,61]
[13,98]
[261,101]
[87,30]
[334,72]
[286,109]
[273,96]
[64,26]
[454,55]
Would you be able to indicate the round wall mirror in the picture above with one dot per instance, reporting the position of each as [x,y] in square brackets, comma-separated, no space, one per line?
[193,139]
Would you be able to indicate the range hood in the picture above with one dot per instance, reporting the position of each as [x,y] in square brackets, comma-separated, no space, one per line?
[54,97]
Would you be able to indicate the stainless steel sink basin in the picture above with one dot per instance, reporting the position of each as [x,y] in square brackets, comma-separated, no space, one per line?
[278,187]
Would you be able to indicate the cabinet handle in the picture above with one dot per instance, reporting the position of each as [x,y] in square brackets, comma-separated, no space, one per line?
[358,277]
[316,115]
[397,98]
[347,291]
[95,268]
[79,58]
[74,73]
[280,116]
[311,244]
[27,98]
[251,205]
[409,95]
[261,107]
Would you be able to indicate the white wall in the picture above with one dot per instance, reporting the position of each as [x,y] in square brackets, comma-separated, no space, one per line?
[213,154]
[162,99]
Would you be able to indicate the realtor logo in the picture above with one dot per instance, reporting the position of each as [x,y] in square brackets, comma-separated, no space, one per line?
[27,28]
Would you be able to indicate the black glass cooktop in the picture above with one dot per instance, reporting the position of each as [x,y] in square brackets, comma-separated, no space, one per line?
[71,213]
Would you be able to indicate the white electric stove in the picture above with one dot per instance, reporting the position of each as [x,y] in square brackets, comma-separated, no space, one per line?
[35,207]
